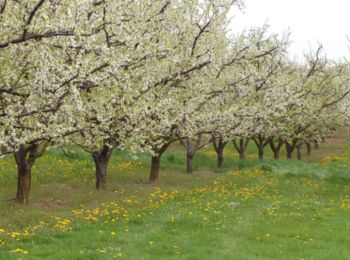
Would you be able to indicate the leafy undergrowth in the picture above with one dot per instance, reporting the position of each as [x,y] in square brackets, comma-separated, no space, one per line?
[253,210]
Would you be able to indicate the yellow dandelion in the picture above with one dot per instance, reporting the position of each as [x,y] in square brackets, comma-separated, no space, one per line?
[20,251]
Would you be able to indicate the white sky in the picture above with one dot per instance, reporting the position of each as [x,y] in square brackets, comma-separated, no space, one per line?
[310,22]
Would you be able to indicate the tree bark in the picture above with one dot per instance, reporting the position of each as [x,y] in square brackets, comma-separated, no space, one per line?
[219,146]
[261,152]
[299,151]
[155,166]
[24,181]
[155,163]
[101,159]
[308,146]
[241,147]
[260,143]
[220,163]
[316,145]
[275,148]
[192,146]
[25,158]
[191,152]
[290,148]
[189,162]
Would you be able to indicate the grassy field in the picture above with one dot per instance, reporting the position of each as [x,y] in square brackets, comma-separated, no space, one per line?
[252,210]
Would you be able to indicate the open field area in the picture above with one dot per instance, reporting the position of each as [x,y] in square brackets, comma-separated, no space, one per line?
[253,209]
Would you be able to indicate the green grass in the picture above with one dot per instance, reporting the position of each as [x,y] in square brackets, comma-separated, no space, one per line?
[253,210]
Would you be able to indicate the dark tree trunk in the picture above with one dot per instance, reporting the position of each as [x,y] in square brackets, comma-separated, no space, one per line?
[101,159]
[219,146]
[299,151]
[289,152]
[191,152]
[24,181]
[261,152]
[25,158]
[189,162]
[308,147]
[220,163]
[155,163]
[276,154]
[260,143]
[290,148]
[155,166]
[192,146]
[276,148]
[316,145]
[241,147]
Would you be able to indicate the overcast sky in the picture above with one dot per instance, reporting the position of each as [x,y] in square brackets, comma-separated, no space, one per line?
[310,22]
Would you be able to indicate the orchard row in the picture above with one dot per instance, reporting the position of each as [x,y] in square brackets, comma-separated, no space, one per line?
[140,75]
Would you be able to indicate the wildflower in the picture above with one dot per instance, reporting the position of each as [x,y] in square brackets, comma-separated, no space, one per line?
[19,250]
[14,234]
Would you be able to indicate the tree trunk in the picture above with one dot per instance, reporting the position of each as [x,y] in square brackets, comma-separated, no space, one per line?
[316,145]
[155,166]
[101,159]
[155,163]
[191,152]
[192,146]
[241,147]
[220,163]
[189,161]
[24,181]
[299,151]
[308,146]
[275,148]
[242,155]
[260,143]
[219,146]
[25,158]
[261,152]
[290,148]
